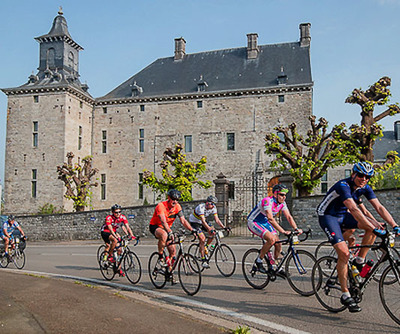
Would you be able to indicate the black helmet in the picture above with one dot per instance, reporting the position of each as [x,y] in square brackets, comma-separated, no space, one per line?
[11,218]
[115,207]
[212,199]
[174,194]
[280,188]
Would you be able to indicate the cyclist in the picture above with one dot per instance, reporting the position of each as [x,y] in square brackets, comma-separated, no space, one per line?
[261,222]
[197,220]
[339,210]
[6,233]
[110,235]
[161,223]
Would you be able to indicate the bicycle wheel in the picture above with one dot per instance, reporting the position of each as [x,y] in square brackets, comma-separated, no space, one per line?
[107,269]
[375,254]
[251,274]
[19,258]
[157,273]
[324,249]
[194,250]
[389,291]
[132,267]
[100,250]
[225,260]
[189,274]
[3,261]
[298,269]
[326,284]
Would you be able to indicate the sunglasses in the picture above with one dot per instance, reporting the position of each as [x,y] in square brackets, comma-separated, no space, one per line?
[361,176]
[117,211]
[282,194]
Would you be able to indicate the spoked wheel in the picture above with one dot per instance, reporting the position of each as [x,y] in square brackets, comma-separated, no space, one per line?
[19,258]
[252,275]
[132,267]
[298,271]
[326,284]
[107,269]
[3,260]
[189,274]
[194,250]
[157,273]
[100,250]
[325,248]
[225,260]
[389,291]
[375,254]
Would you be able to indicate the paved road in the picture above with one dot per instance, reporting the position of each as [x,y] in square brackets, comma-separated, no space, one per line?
[276,309]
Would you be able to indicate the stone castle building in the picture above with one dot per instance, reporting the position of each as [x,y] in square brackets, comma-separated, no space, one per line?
[216,103]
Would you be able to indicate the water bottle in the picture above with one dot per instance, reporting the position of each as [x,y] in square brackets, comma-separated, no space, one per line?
[367,267]
[212,247]
[205,250]
[355,273]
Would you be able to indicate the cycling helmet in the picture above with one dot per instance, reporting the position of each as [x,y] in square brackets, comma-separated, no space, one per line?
[11,218]
[115,207]
[174,194]
[280,188]
[363,167]
[212,199]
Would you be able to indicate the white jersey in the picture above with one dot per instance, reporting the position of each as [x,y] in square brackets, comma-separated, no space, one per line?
[199,211]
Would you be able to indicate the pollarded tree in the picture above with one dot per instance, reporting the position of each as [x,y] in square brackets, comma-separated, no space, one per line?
[308,158]
[177,173]
[77,180]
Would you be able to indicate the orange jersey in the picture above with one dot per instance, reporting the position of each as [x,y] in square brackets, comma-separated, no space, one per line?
[170,213]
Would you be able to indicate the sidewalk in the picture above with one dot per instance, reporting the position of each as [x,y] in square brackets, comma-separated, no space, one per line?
[34,304]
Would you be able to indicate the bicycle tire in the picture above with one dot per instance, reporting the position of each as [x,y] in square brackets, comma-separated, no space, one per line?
[375,254]
[324,248]
[157,273]
[3,261]
[252,276]
[100,250]
[107,269]
[326,284]
[389,292]
[225,260]
[194,250]
[132,267]
[19,258]
[298,269]
[189,274]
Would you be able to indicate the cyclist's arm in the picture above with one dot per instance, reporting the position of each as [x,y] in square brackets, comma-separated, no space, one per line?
[291,221]
[204,223]
[369,216]
[184,222]
[273,222]
[20,229]
[164,223]
[381,210]
[358,214]
[129,230]
[218,221]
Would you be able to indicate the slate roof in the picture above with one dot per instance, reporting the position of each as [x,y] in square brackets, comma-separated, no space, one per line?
[385,144]
[222,70]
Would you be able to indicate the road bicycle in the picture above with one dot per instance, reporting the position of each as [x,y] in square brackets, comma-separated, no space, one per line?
[298,264]
[224,257]
[16,253]
[327,287]
[128,261]
[188,268]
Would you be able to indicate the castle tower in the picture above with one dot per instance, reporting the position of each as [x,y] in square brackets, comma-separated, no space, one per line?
[47,117]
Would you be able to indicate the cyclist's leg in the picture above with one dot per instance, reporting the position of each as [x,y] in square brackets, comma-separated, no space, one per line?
[201,236]
[6,243]
[162,237]
[277,249]
[348,235]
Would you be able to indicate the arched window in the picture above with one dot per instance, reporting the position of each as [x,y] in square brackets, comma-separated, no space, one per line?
[51,58]
[71,60]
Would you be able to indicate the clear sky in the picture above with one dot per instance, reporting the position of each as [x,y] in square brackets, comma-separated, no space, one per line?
[353,42]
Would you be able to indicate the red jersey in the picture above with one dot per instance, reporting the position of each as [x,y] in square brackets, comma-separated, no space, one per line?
[170,213]
[114,222]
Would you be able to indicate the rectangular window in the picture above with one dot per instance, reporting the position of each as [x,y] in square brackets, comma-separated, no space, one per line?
[281,98]
[231,190]
[347,173]
[324,183]
[199,104]
[34,183]
[103,186]
[188,143]
[141,140]
[35,134]
[230,138]
[104,110]
[80,104]
[79,138]
[142,107]
[104,142]
[140,185]
[36,98]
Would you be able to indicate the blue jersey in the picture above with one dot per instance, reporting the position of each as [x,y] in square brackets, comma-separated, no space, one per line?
[332,204]
[9,228]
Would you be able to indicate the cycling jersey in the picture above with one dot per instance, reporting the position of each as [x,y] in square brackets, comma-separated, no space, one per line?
[170,213]
[114,222]
[9,228]
[201,210]
[333,202]
[259,212]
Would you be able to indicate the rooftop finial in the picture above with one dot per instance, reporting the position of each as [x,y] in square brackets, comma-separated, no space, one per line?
[60,11]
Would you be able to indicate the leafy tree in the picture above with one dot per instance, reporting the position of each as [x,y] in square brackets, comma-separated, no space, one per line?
[77,180]
[177,173]
[49,209]
[308,158]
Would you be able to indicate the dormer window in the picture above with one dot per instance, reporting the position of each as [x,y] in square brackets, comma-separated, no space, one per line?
[136,90]
[201,85]
[282,78]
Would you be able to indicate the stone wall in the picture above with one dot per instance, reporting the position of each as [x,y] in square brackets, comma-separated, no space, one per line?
[86,225]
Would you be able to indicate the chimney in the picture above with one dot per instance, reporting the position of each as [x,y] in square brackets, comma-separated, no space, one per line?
[180,45]
[252,48]
[305,37]
[397,130]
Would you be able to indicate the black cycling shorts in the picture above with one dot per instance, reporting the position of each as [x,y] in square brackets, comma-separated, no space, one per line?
[106,237]
[334,226]
[153,229]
